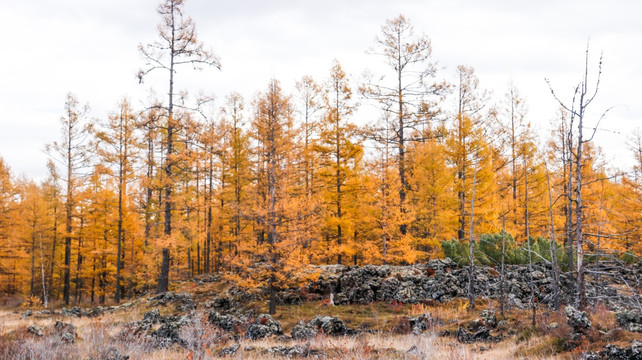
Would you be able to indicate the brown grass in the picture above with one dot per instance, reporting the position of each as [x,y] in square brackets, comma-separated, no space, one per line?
[97,337]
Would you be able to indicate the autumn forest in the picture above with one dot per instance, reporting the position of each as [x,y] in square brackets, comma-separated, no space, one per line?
[259,189]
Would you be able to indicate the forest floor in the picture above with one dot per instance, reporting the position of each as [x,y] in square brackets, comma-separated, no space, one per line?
[381,332]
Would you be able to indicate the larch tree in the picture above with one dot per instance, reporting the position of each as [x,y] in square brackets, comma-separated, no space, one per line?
[119,148]
[34,224]
[51,192]
[178,45]
[8,203]
[72,155]
[275,258]
[238,159]
[339,156]
[405,93]
[310,101]
[432,202]
[468,148]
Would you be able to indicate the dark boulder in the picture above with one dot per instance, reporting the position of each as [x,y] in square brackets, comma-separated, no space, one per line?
[302,331]
[169,332]
[263,327]
[329,325]
[229,350]
[227,323]
[613,352]
[67,332]
[36,330]
[577,320]
[481,335]
[629,320]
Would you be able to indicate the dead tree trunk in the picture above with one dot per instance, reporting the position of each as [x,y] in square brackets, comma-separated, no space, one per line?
[553,247]
[581,100]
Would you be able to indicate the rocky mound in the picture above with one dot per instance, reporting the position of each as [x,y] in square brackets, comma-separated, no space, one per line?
[442,280]
[613,352]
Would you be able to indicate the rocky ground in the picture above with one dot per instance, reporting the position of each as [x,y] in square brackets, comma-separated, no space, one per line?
[387,312]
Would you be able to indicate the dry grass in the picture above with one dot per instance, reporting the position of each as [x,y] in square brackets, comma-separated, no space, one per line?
[100,337]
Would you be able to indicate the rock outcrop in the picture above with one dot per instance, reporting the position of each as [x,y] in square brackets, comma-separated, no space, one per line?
[613,352]
[442,280]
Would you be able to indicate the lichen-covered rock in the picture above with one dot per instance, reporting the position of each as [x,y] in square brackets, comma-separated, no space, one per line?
[263,327]
[629,320]
[294,351]
[227,323]
[442,280]
[169,332]
[35,330]
[329,325]
[490,318]
[220,303]
[229,350]
[289,297]
[74,311]
[481,335]
[114,354]
[302,331]
[184,301]
[422,323]
[96,311]
[67,332]
[577,320]
[149,319]
[613,352]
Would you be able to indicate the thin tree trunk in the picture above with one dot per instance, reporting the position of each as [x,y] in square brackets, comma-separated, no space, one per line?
[531,283]
[32,288]
[553,247]
[119,264]
[579,229]
[502,274]
[42,273]
[471,253]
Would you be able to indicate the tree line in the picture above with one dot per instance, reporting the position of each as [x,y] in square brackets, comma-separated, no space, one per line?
[259,189]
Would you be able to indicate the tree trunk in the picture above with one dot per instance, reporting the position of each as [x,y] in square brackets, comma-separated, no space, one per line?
[471,250]
[42,273]
[531,283]
[553,247]
[502,273]
[68,223]
[163,278]
[121,184]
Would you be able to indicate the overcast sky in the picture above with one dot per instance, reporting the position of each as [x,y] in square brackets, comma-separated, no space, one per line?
[50,48]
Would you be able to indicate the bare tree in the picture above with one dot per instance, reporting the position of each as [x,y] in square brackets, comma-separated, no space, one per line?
[582,98]
[178,45]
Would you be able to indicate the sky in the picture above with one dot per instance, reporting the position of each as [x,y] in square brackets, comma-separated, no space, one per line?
[90,48]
